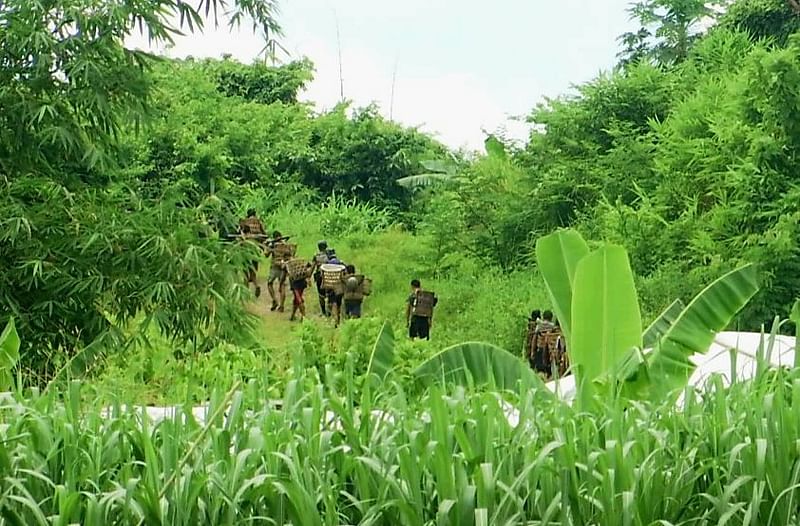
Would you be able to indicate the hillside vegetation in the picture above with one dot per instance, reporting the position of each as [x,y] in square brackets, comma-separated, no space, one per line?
[671,177]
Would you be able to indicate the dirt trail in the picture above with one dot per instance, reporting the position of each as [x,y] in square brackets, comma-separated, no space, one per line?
[276,329]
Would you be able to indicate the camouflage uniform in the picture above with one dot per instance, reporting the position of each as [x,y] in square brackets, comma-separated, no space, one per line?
[251,226]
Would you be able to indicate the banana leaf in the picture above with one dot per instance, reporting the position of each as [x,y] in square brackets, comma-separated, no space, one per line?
[9,355]
[382,356]
[795,317]
[711,311]
[557,256]
[438,166]
[607,323]
[661,325]
[475,363]
[428,179]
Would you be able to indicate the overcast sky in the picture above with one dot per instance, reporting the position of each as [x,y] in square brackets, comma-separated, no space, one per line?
[461,65]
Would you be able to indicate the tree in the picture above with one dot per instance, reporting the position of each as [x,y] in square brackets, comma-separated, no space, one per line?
[764,19]
[81,254]
[669,28]
[364,156]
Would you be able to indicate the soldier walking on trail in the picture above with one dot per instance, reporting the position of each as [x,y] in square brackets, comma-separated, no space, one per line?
[336,294]
[533,324]
[419,311]
[251,227]
[320,258]
[547,346]
[298,285]
[355,288]
[280,252]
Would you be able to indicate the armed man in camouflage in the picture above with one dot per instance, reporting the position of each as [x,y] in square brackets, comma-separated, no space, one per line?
[277,270]
[251,227]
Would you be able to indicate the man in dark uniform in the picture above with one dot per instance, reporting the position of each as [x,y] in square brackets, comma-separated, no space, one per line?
[419,325]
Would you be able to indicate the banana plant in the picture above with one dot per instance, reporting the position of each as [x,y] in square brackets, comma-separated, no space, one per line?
[594,295]
[558,256]
[447,171]
[599,305]
[605,318]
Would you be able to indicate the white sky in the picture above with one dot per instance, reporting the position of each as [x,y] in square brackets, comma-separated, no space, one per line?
[461,65]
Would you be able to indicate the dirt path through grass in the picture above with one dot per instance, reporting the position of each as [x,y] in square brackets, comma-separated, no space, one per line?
[276,330]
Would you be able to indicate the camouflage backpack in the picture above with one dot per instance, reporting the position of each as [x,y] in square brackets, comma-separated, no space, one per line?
[547,349]
[252,225]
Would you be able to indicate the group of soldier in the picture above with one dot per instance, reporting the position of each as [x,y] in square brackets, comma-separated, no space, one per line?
[338,285]
[545,347]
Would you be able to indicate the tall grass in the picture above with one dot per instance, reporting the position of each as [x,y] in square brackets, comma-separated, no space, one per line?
[728,457]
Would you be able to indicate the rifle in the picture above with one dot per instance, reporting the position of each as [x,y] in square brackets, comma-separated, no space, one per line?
[256,236]
[273,241]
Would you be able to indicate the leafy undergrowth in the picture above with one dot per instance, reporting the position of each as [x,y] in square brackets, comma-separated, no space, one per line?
[428,458]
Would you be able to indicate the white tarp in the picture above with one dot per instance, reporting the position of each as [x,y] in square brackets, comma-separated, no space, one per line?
[718,359]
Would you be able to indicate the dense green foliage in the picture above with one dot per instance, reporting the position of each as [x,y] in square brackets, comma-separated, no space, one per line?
[112,179]
[690,167]
[121,173]
[81,253]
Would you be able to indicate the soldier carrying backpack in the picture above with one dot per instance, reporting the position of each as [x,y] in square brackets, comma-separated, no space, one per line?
[251,227]
[356,287]
[548,350]
[419,311]
[319,259]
